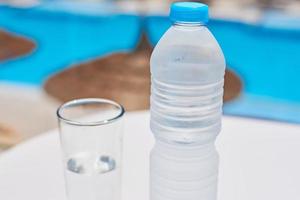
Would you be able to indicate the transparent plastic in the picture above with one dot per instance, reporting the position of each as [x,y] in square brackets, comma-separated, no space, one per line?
[187,74]
[183,172]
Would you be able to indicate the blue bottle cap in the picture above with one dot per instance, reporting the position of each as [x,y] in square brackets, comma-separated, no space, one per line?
[189,12]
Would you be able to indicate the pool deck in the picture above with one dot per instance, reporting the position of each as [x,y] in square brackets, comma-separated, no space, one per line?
[26,111]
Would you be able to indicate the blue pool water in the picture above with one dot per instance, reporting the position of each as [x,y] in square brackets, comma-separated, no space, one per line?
[63,39]
[266,58]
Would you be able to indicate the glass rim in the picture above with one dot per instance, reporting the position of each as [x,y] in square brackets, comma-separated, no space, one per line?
[80,101]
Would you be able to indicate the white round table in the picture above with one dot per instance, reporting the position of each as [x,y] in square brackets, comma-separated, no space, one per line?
[259,160]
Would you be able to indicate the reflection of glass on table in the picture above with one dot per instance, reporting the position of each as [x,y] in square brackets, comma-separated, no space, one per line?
[91,140]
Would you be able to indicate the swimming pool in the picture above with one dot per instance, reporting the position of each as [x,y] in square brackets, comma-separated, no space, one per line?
[63,39]
[267,59]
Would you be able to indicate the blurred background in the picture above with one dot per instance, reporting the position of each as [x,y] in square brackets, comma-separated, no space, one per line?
[52,51]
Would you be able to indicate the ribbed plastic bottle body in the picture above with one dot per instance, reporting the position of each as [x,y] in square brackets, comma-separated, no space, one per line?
[187,74]
[183,172]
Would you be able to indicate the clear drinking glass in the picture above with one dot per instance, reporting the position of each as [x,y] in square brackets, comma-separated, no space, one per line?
[91,140]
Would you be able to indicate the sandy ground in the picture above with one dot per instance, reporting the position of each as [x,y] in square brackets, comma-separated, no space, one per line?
[25,111]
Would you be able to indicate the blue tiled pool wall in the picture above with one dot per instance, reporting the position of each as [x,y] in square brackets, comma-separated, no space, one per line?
[267,59]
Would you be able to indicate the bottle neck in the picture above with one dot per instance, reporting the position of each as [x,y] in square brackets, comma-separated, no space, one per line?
[188,24]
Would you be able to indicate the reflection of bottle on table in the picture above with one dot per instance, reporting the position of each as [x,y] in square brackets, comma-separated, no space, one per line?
[187,68]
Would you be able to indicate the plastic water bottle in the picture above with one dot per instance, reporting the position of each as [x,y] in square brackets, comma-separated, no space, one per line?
[187,76]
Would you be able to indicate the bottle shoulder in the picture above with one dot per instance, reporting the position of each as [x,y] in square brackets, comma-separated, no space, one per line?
[200,39]
[186,55]
[182,40]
